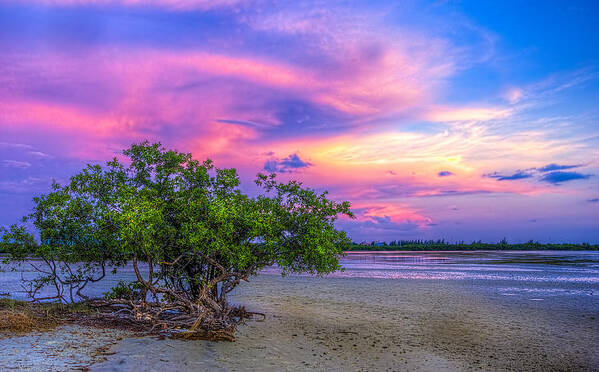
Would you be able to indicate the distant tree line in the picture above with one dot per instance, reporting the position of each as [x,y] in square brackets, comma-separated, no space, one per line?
[442,245]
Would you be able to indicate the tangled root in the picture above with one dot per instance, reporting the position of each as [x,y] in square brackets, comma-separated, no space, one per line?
[175,320]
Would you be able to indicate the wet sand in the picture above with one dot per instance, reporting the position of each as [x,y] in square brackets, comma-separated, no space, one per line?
[377,324]
[69,347]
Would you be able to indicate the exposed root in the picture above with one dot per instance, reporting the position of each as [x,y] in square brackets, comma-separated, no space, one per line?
[174,320]
[241,312]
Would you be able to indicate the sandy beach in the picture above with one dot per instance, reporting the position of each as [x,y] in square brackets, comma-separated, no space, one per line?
[361,324]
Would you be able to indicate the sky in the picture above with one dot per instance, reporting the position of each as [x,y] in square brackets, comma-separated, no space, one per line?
[457,120]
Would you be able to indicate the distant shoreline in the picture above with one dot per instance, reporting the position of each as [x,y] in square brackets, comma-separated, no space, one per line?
[475,246]
[392,249]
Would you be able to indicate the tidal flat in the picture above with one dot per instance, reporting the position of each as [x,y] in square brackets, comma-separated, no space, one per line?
[421,311]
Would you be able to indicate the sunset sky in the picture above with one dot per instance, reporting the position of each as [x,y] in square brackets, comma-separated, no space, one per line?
[461,120]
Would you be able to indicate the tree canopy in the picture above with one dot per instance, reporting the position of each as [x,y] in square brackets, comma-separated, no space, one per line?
[187,228]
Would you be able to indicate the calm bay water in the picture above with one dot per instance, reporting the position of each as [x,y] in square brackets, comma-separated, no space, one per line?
[540,274]
[530,266]
[537,275]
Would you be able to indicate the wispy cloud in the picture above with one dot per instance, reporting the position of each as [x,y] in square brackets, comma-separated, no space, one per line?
[514,95]
[39,154]
[15,164]
[445,174]
[468,114]
[16,145]
[25,186]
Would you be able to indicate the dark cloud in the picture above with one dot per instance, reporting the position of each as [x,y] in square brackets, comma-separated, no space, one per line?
[492,175]
[444,174]
[271,166]
[286,165]
[516,176]
[549,173]
[594,200]
[555,167]
[455,193]
[294,161]
[559,177]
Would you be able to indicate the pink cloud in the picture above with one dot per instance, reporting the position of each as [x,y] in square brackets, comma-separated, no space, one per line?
[513,95]
[143,92]
[396,212]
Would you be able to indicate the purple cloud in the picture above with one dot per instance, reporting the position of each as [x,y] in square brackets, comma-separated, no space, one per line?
[554,167]
[516,176]
[286,165]
[559,177]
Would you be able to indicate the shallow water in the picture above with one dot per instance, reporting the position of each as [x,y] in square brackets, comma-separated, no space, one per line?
[544,273]
[538,273]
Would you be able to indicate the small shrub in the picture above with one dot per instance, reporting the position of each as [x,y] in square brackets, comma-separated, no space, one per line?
[125,291]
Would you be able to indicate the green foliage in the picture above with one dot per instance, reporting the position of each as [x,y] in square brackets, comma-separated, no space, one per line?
[125,291]
[189,222]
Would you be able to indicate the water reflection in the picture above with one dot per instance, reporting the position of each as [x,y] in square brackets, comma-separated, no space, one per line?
[492,268]
[547,273]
